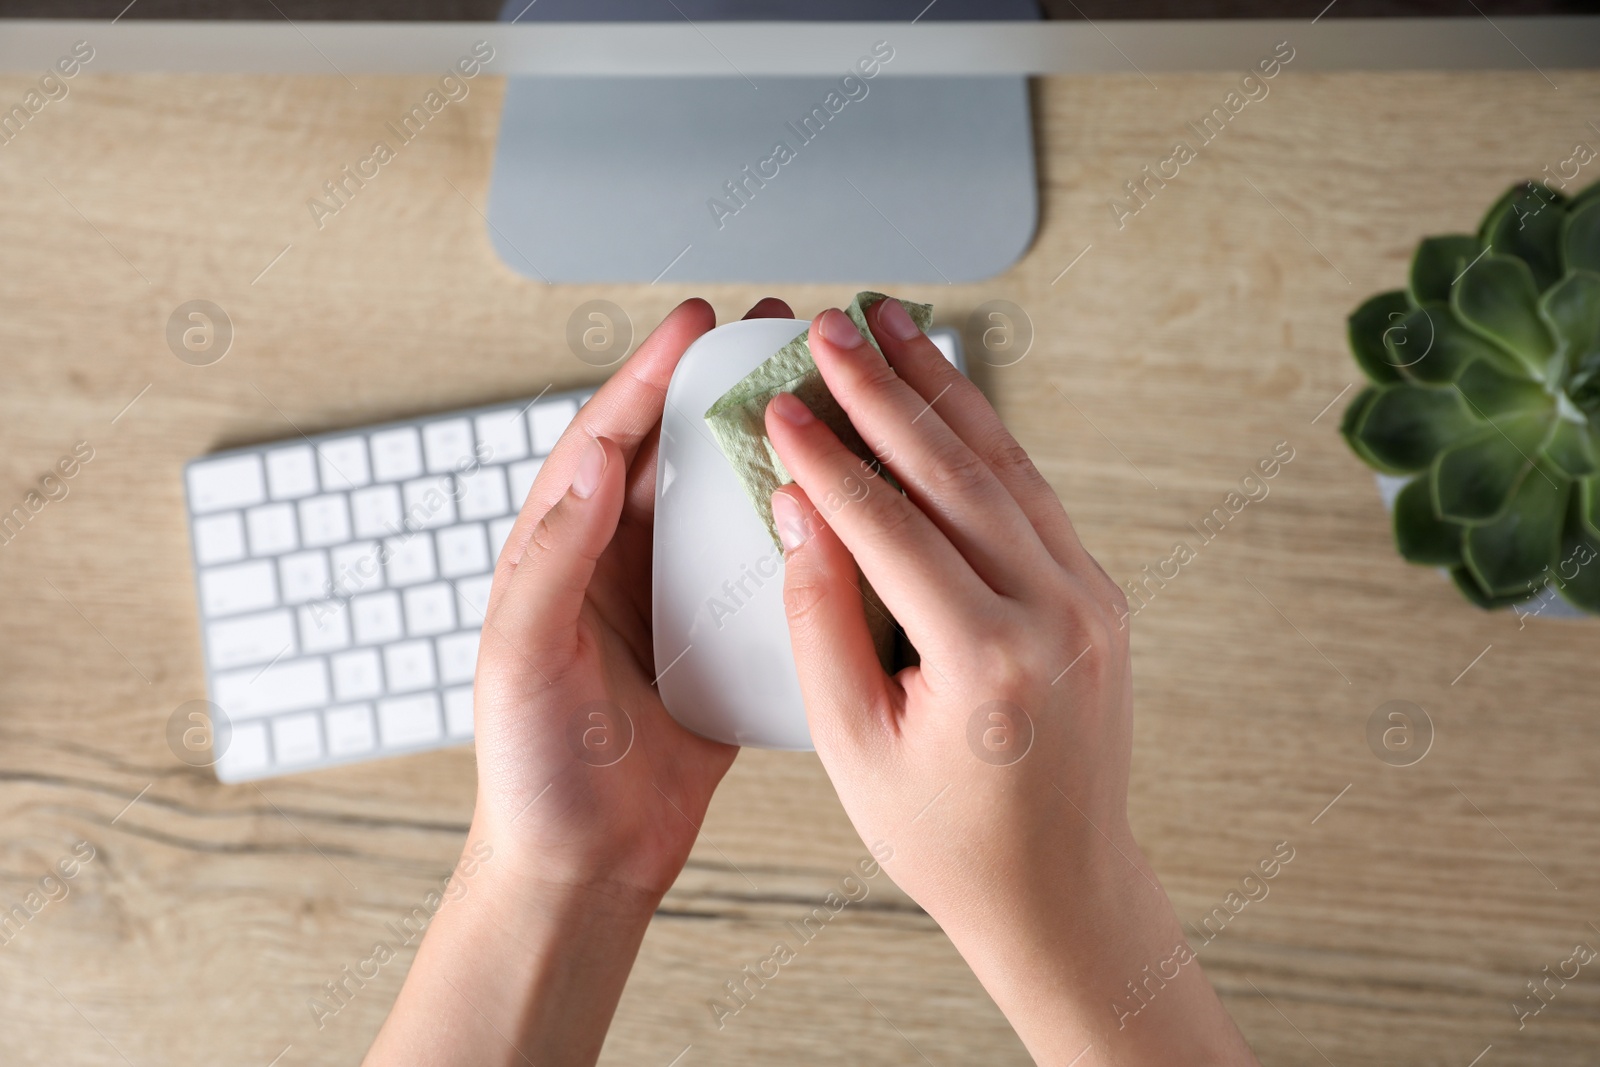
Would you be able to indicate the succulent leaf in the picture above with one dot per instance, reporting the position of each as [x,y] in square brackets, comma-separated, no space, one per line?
[1529,228]
[1430,345]
[1350,421]
[1513,553]
[1497,298]
[1405,426]
[1438,262]
[1572,448]
[1473,481]
[1421,535]
[1584,199]
[1589,504]
[1577,571]
[1469,587]
[1583,388]
[1491,393]
[1572,308]
[1580,241]
[1366,327]
[1491,218]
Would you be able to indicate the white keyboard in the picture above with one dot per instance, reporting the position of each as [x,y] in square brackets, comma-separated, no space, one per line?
[343,578]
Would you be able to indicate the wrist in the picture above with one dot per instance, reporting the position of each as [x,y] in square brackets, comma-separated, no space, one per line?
[522,884]
[1065,905]
[569,835]
[1085,949]
[1071,887]
[1061,946]
[516,966]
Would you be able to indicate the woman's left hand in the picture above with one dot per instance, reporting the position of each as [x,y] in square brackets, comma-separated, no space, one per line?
[579,764]
[590,795]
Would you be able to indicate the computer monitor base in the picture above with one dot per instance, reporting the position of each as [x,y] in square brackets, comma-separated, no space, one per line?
[773,180]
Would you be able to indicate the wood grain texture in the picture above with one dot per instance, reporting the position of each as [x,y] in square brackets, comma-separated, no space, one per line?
[1172,356]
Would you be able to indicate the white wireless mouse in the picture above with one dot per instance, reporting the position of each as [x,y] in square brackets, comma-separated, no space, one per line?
[723,662]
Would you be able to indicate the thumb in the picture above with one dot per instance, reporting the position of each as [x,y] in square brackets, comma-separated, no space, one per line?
[847,695]
[551,575]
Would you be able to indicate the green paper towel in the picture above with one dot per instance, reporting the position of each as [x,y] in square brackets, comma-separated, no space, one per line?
[738,422]
[738,419]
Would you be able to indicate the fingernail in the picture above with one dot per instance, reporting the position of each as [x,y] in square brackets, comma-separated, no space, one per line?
[590,467]
[790,519]
[839,330]
[792,409]
[893,318]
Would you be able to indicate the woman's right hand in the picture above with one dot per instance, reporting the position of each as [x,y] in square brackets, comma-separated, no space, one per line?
[992,778]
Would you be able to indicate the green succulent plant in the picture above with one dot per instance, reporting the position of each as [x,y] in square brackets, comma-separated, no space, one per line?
[1484,387]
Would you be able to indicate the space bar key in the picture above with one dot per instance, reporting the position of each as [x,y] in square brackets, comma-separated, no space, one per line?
[285,686]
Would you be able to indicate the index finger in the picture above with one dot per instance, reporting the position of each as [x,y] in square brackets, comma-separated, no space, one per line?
[923,580]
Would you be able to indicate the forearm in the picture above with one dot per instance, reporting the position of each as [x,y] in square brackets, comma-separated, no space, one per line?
[1095,957]
[516,970]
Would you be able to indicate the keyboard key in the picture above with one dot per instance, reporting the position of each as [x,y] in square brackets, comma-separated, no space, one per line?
[325,626]
[409,665]
[291,473]
[246,753]
[324,520]
[272,529]
[428,503]
[429,610]
[357,568]
[410,559]
[357,675]
[458,657]
[250,639]
[447,444]
[483,493]
[297,738]
[409,720]
[458,711]
[376,511]
[240,587]
[546,420]
[472,599]
[396,454]
[349,730]
[288,685]
[218,484]
[499,530]
[502,435]
[522,476]
[376,617]
[343,463]
[219,538]
[304,576]
[463,550]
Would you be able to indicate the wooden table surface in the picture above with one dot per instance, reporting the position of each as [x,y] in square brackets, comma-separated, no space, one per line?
[1173,355]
